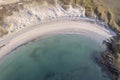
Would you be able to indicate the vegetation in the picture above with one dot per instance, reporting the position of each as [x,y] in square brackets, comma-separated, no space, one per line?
[2,31]
[106,10]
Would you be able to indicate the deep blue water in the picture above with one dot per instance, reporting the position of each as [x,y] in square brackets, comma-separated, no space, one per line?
[60,57]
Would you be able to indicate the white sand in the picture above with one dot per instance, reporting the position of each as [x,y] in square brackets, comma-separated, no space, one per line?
[94,31]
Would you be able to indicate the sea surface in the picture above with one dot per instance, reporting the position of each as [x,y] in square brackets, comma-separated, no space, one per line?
[58,57]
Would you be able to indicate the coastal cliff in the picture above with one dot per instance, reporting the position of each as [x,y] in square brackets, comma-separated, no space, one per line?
[102,10]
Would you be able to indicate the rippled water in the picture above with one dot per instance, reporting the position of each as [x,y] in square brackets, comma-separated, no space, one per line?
[60,57]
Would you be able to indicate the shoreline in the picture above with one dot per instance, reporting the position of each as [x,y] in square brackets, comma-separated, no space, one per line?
[41,37]
[97,32]
[19,20]
[71,25]
[73,18]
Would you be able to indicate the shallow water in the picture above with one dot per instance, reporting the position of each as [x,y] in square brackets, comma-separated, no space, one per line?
[60,57]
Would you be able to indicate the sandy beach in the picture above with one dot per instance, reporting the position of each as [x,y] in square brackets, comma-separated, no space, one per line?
[94,31]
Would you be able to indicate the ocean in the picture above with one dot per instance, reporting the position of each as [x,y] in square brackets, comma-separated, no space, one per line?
[57,57]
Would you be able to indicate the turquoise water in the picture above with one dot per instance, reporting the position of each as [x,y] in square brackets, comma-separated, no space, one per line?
[61,57]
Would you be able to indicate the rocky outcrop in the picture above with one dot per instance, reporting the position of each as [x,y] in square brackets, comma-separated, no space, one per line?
[110,59]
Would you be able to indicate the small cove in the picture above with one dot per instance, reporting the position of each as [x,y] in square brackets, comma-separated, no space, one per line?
[59,57]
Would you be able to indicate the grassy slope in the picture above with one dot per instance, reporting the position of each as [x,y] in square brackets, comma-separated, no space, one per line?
[106,10]
[115,7]
[3,31]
